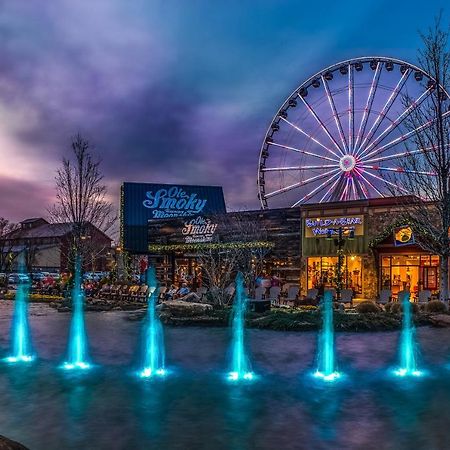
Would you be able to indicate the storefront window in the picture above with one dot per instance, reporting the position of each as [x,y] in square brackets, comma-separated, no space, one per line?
[324,270]
[409,272]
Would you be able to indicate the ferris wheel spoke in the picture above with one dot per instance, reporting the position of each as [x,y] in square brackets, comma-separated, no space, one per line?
[304,152]
[404,137]
[387,106]
[335,113]
[362,188]
[329,191]
[322,125]
[355,195]
[301,183]
[368,107]
[398,120]
[398,155]
[351,108]
[288,168]
[317,189]
[398,170]
[344,195]
[370,184]
[396,186]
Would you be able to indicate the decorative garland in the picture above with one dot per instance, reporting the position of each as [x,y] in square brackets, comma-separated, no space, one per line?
[210,246]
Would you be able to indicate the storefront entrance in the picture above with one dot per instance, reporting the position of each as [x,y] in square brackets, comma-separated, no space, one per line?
[324,270]
[412,272]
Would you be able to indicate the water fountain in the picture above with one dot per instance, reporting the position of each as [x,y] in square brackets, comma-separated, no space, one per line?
[327,369]
[77,357]
[20,331]
[153,337]
[408,346]
[241,368]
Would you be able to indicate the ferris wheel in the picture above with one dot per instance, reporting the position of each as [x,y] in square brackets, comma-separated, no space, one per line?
[342,134]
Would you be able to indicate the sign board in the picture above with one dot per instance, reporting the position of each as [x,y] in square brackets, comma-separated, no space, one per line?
[142,203]
[316,228]
[403,236]
[198,230]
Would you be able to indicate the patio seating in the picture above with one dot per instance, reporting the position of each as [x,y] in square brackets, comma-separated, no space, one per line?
[384,297]
[312,293]
[424,296]
[274,295]
[346,296]
[229,292]
[142,293]
[401,295]
[124,292]
[292,295]
[259,303]
[162,292]
[103,292]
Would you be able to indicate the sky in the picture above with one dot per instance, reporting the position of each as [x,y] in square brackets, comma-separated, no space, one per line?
[169,91]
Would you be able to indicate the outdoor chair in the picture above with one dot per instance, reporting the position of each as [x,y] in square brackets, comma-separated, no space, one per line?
[124,292]
[424,296]
[162,292]
[259,303]
[201,292]
[384,297]
[274,295]
[346,296]
[292,295]
[402,294]
[103,291]
[114,291]
[142,293]
[229,292]
[134,292]
[312,294]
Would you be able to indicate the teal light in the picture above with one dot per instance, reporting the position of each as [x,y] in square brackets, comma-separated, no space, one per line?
[77,355]
[21,351]
[240,365]
[407,345]
[327,369]
[153,336]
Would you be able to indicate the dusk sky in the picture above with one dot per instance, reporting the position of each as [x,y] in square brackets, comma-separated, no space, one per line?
[169,91]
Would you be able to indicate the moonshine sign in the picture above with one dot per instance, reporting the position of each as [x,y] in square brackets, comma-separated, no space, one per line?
[173,202]
[198,230]
[319,227]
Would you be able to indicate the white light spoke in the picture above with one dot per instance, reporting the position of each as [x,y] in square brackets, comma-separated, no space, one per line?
[310,137]
[322,125]
[362,188]
[335,113]
[344,192]
[384,111]
[354,188]
[301,183]
[371,185]
[398,170]
[396,186]
[304,152]
[329,191]
[397,155]
[397,121]
[368,107]
[404,137]
[287,168]
[316,190]
[351,109]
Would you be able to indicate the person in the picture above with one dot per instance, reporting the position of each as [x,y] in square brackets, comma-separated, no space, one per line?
[171,292]
[184,294]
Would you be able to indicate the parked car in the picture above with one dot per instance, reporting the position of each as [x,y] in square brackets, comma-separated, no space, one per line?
[17,278]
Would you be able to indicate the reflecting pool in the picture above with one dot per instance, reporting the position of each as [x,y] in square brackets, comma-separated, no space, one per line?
[108,407]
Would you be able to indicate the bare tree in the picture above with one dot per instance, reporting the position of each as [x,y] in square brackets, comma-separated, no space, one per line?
[428,176]
[81,200]
[242,248]
[7,256]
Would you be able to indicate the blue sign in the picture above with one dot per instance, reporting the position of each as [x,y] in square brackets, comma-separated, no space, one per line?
[142,203]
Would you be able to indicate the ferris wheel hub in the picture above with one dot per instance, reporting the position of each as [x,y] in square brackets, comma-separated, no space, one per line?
[347,163]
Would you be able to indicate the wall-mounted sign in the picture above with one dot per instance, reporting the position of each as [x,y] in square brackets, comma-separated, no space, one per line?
[173,202]
[177,231]
[144,202]
[319,227]
[403,236]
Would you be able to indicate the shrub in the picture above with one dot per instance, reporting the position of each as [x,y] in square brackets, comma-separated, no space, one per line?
[435,306]
[396,308]
[367,307]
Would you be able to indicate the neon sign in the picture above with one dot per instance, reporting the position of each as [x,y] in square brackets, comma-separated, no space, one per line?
[319,227]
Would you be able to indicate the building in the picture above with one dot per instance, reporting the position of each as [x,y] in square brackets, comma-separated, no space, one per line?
[46,245]
[378,249]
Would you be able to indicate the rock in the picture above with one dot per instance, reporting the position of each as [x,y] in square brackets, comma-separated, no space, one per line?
[63,309]
[137,315]
[440,320]
[8,444]
[179,308]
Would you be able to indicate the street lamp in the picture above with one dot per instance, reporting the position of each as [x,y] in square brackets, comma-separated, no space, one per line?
[339,242]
